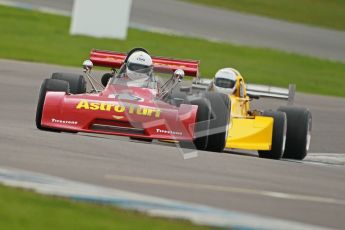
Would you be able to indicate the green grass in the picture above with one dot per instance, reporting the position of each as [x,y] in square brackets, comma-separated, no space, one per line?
[21,209]
[32,36]
[324,13]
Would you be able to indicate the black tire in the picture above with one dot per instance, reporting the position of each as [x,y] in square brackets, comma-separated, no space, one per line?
[220,106]
[278,135]
[77,83]
[203,122]
[299,126]
[201,126]
[48,85]
[105,78]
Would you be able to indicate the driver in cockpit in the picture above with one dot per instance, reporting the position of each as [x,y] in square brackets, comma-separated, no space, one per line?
[225,81]
[139,67]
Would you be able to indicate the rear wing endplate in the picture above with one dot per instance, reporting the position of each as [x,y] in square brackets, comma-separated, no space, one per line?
[161,64]
[272,92]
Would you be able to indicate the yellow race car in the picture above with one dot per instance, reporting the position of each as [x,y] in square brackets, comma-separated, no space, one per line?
[230,123]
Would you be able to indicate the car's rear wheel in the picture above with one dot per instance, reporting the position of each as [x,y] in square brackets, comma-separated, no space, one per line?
[48,85]
[299,125]
[278,135]
[77,83]
[220,106]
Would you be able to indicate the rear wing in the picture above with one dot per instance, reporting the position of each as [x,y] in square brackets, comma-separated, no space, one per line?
[160,64]
[254,90]
[202,84]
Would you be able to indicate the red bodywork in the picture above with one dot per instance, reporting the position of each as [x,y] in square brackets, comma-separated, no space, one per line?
[138,114]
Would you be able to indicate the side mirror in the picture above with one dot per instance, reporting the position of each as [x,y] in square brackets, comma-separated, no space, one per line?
[87,65]
[179,75]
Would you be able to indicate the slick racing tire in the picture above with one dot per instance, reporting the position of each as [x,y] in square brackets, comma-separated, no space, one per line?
[299,125]
[105,78]
[48,85]
[278,135]
[220,106]
[203,122]
[77,83]
[201,126]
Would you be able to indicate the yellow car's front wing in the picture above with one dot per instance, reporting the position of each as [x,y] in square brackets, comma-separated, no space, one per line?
[250,133]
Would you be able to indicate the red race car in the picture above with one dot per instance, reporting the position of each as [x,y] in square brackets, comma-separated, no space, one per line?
[132,101]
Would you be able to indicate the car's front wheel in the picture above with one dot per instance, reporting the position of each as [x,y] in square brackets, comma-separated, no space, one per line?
[212,122]
[278,135]
[48,85]
[201,126]
[299,125]
[220,106]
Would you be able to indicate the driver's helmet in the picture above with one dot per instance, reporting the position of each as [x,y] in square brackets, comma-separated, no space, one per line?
[225,80]
[139,66]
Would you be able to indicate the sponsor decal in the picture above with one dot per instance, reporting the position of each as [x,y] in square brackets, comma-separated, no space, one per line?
[168,132]
[131,109]
[114,59]
[170,66]
[64,122]
[141,58]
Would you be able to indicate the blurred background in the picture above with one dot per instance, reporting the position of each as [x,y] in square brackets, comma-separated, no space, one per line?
[272,42]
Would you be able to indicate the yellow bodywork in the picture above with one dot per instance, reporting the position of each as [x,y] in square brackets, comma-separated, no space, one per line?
[247,131]
[250,133]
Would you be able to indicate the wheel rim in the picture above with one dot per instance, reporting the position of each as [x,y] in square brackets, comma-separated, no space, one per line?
[228,123]
[308,134]
[284,136]
[227,130]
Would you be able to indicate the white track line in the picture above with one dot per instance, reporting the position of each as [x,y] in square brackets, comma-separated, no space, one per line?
[227,189]
[326,158]
[199,214]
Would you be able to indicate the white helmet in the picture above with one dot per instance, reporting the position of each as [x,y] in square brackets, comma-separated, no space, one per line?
[139,66]
[225,80]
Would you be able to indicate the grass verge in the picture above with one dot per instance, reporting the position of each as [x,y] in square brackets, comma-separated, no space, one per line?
[22,209]
[33,36]
[323,13]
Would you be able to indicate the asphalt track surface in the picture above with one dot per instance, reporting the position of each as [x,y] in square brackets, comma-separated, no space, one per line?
[298,191]
[227,26]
